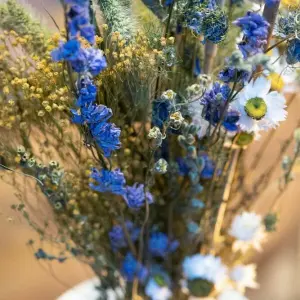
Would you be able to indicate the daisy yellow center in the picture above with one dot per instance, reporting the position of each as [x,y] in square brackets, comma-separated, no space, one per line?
[256,108]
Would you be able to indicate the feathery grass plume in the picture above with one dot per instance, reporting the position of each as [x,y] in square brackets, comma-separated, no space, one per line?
[118,15]
[14,16]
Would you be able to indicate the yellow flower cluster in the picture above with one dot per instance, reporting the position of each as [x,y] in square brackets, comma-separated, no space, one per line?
[32,86]
[132,57]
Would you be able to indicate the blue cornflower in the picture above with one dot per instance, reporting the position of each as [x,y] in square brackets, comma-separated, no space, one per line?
[89,60]
[66,51]
[159,245]
[117,236]
[255,30]
[293,52]
[131,268]
[231,74]
[214,102]
[92,114]
[107,137]
[108,181]
[135,196]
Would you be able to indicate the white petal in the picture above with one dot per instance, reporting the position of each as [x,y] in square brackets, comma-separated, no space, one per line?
[261,86]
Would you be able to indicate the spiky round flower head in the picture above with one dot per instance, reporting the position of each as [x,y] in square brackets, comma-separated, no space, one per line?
[231,295]
[136,196]
[244,276]
[108,181]
[215,25]
[248,230]
[205,267]
[255,31]
[259,109]
[293,52]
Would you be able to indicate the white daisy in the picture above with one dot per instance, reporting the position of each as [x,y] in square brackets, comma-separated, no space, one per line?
[157,292]
[244,276]
[231,295]
[259,108]
[248,230]
[206,267]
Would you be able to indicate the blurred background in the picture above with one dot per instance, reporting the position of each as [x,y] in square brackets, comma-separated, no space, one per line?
[22,277]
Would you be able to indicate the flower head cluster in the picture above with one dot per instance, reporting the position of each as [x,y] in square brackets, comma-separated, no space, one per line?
[117,235]
[259,109]
[132,268]
[255,30]
[108,181]
[214,102]
[248,230]
[135,196]
[159,245]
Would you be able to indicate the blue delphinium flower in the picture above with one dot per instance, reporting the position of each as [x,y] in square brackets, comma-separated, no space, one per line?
[131,268]
[135,196]
[108,181]
[161,110]
[89,60]
[79,22]
[159,245]
[231,74]
[68,51]
[209,167]
[271,2]
[78,2]
[87,93]
[92,114]
[117,236]
[293,52]
[107,137]
[214,102]
[255,30]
